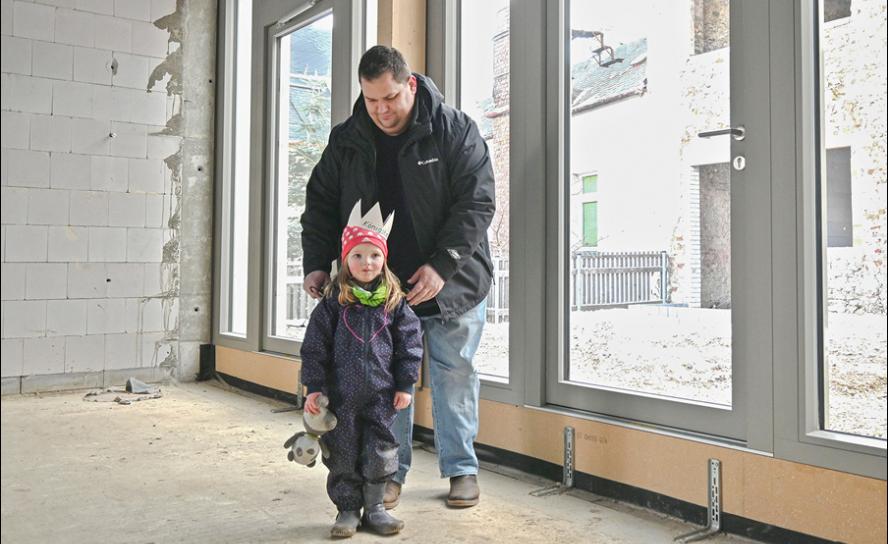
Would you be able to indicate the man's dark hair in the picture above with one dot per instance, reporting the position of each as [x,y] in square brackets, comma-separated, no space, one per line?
[380,59]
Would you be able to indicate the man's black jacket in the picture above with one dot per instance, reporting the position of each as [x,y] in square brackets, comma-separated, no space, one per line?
[448,186]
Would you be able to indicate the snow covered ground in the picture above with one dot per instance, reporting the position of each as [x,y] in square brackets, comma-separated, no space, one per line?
[686,353]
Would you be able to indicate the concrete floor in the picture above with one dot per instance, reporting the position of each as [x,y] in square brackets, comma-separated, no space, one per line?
[205,463]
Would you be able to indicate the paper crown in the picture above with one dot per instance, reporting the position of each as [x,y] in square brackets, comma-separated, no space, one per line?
[366,229]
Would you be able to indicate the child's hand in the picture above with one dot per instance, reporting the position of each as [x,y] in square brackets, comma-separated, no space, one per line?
[402,400]
[311,403]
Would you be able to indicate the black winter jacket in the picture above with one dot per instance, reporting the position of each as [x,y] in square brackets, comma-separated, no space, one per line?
[352,351]
[448,185]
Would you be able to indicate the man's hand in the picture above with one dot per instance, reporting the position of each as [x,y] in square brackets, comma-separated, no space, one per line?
[427,283]
[314,283]
[402,400]
[311,403]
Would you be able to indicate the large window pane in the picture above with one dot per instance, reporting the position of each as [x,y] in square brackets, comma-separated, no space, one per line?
[853,217]
[303,125]
[236,178]
[484,95]
[648,200]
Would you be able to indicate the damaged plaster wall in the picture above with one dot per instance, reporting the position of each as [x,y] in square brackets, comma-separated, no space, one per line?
[107,190]
[187,256]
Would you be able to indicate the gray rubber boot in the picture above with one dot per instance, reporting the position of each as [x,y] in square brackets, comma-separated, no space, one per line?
[375,517]
[347,523]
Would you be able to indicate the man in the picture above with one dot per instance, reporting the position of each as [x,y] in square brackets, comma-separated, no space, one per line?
[427,162]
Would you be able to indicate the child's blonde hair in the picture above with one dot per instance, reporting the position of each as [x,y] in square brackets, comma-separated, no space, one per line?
[344,279]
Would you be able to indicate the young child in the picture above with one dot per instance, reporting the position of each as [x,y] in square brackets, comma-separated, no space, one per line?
[362,348]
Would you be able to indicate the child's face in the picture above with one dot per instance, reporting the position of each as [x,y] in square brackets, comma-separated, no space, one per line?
[365,262]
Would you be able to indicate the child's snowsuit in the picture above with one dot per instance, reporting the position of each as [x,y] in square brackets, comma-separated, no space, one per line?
[359,356]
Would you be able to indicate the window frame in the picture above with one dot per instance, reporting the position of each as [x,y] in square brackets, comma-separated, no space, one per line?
[789,422]
[748,421]
[780,426]
[274,223]
[351,23]
[226,98]
[443,56]
[798,289]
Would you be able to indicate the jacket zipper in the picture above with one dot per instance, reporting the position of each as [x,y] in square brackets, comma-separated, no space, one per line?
[365,333]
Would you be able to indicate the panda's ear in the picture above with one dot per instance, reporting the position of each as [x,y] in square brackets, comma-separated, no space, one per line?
[313,463]
[293,439]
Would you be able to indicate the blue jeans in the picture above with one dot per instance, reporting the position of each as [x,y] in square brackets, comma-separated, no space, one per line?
[450,345]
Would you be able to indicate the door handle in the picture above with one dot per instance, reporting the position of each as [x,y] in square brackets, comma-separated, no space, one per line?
[738,132]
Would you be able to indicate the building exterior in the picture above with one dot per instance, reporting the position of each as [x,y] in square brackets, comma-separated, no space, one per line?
[642,180]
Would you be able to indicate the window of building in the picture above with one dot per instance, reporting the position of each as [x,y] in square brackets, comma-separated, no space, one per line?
[830,319]
[852,222]
[483,74]
[637,327]
[718,300]
[305,65]
[287,75]
[235,173]
[839,224]
[590,224]
[588,209]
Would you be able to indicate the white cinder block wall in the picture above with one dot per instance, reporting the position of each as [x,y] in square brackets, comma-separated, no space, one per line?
[92,197]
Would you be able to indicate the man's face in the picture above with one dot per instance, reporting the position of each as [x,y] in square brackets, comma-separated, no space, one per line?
[388,102]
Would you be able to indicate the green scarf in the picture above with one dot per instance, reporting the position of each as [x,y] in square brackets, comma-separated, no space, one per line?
[370,298]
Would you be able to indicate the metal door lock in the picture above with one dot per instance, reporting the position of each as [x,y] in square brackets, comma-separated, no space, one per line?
[739,162]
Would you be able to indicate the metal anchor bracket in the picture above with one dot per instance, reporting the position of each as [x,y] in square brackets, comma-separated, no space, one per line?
[567,478]
[713,511]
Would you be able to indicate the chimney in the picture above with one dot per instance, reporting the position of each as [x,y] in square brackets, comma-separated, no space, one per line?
[501,60]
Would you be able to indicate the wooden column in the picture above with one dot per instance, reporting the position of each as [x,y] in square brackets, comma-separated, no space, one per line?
[402,24]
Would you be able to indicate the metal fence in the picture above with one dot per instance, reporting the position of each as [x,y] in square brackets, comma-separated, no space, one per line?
[600,279]
[299,304]
[597,279]
[498,297]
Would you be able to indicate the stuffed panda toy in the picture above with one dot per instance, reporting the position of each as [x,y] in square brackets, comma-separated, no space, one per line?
[305,445]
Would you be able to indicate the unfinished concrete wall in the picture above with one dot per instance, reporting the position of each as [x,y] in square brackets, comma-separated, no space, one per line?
[107,120]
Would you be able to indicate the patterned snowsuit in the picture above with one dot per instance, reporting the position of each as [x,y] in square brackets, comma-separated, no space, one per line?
[359,356]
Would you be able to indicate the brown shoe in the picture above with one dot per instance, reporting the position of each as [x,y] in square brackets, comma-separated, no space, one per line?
[464,491]
[392,495]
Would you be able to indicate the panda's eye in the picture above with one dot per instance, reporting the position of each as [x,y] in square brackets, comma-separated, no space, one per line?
[299,451]
[311,451]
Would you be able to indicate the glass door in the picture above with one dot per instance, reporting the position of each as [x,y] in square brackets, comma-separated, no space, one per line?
[663,212]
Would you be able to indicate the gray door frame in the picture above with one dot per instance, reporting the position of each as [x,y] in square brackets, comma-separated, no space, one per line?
[796,115]
[748,420]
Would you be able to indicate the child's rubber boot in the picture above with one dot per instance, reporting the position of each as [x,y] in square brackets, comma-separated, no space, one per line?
[347,522]
[375,517]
